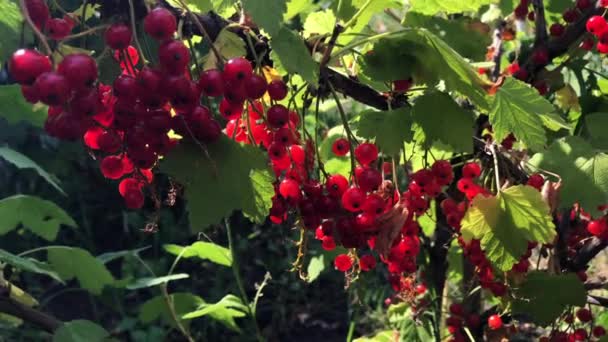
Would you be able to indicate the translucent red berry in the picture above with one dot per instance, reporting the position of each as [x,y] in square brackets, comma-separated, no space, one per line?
[160,24]
[211,83]
[352,199]
[277,116]
[557,29]
[599,331]
[471,170]
[112,167]
[596,25]
[277,90]
[536,181]
[369,179]
[343,262]
[494,322]
[340,147]
[373,204]
[134,198]
[58,28]
[367,262]
[336,185]
[26,65]
[79,69]
[38,12]
[53,88]
[290,190]
[237,69]
[366,153]
[174,56]
[118,36]
[255,86]
[598,228]
[540,56]
[583,315]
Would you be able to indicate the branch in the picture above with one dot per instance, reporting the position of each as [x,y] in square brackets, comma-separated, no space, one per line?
[498,50]
[541,23]
[557,46]
[599,301]
[586,254]
[28,314]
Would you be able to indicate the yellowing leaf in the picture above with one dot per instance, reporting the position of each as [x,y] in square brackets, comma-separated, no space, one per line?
[505,223]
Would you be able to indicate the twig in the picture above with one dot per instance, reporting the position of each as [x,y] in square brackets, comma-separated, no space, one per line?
[496,171]
[133,28]
[540,23]
[498,49]
[218,55]
[85,33]
[585,254]
[37,32]
[330,45]
[239,280]
[351,137]
[43,320]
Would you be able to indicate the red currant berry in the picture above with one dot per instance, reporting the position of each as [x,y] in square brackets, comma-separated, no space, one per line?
[174,56]
[456,309]
[79,69]
[125,86]
[109,142]
[352,199]
[343,262]
[583,315]
[128,184]
[598,228]
[237,70]
[580,334]
[255,86]
[367,262]
[583,4]
[402,86]
[369,179]
[118,36]
[587,44]
[373,204]
[366,153]
[596,25]
[111,167]
[557,30]
[540,56]
[26,65]
[290,190]
[38,12]
[277,90]
[277,151]
[599,331]
[30,93]
[58,28]
[471,170]
[536,181]
[602,48]
[521,11]
[277,116]
[53,88]
[570,15]
[160,24]
[336,185]
[211,83]
[420,289]
[340,147]
[494,322]
[134,198]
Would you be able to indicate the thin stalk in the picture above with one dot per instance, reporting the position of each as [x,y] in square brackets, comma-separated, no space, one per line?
[362,9]
[349,133]
[344,50]
[132,17]
[169,300]
[496,172]
[37,32]
[239,280]
[85,33]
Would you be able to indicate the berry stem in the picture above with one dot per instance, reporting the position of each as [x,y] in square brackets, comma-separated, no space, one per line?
[169,300]
[133,28]
[239,280]
[85,33]
[37,32]
[349,133]
[496,174]
[199,25]
[354,18]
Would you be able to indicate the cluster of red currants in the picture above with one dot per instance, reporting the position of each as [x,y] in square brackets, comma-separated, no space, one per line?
[580,327]
[458,319]
[55,28]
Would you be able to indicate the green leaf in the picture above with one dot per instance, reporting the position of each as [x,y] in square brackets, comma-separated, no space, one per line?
[554,122]
[23,162]
[293,55]
[315,267]
[432,7]
[455,263]
[193,5]
[267,14]
[597,126]
[584,172]
[462,33]
[389,128]
[41,217]
[109,256]
[229,45]
[156,308]
[366,10]
[506,223]
[428,221]
[202,250]
[439,118]
[429,59]
[238,177]
[14,108]
[320,22]
[225,8]
[298,7]
[224,311]
[544,296]
[515,109]
[74,262]
[150,282]
[382,336]
[80,331]
[338,165]
[28,264]
[10,28]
